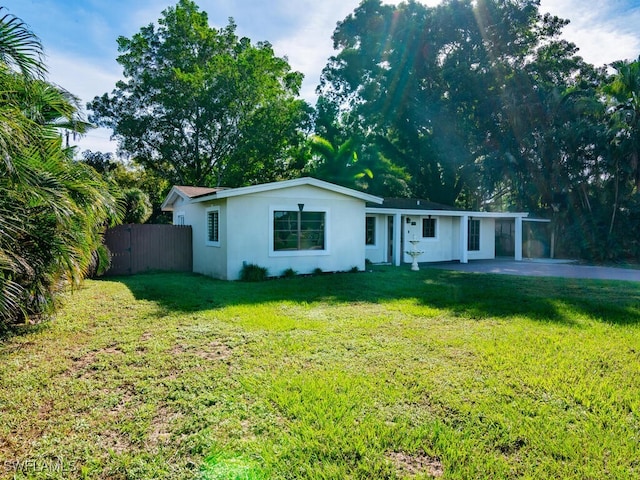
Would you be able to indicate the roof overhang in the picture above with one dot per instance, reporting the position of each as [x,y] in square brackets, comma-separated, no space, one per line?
[267,187]
[173,195]
[444,213]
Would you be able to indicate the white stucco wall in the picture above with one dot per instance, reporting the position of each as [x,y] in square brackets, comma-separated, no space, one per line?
[246,232]
[246,222]
[250,237]
[207,260]
[487,240]
[444,247]
[377,253]
[438,249]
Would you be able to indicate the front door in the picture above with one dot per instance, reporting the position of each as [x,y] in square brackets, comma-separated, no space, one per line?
[390,239]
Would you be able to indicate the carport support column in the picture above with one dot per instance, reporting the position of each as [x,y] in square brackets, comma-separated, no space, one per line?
[397,230]
[464,234]
[518,240]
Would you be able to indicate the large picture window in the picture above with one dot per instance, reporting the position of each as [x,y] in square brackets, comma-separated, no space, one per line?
[295,230]
[370,231]
[213,226]
[428,228]
[473,240]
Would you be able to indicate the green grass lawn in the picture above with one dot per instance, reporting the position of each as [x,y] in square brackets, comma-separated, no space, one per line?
[390,374]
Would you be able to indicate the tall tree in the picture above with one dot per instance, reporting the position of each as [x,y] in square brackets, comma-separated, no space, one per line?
[200,105]
[455,92]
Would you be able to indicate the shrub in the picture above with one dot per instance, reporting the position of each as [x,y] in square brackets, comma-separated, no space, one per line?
[289,273]
[253,273]
[317,271]
[354,269]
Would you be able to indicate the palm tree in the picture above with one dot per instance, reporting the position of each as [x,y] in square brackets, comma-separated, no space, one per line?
[337,164]
[52,209]
[624,97]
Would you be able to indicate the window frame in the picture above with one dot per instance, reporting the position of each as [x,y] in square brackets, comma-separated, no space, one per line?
[435,228]
[302,252]
[209,242]
[374,222]
[473,235]
[180,216]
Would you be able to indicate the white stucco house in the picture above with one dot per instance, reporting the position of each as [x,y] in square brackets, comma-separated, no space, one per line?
[303,224]
[308,224]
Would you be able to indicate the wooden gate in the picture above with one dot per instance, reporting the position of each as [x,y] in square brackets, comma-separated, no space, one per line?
[140,248]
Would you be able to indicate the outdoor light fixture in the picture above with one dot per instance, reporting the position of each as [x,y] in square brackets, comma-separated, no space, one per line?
[300,206]
[408,220]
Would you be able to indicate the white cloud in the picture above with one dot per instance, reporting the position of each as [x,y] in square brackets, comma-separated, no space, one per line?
[85,79]
[604,31]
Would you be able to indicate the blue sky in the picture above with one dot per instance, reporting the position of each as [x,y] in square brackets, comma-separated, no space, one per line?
[79,36]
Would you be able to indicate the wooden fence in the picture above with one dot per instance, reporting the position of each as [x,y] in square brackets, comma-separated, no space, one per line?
[142,248]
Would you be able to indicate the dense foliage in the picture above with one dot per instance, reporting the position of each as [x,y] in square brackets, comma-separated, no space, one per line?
[201,106]
[483,105]
[52,209]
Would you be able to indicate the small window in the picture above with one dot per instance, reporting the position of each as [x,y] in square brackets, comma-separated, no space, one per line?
[370,231]
[213,226]
[179,219]
[473,239]
[295,230]
[428,228]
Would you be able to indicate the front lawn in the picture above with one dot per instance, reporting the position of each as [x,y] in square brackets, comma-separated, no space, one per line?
[390,374]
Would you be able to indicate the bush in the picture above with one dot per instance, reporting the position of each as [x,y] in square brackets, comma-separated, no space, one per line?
[289,273]
[354,269]
[253,273]
[317,271]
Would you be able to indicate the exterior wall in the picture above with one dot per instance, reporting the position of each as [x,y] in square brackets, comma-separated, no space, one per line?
[487,240]
[207,260]
[438,249]
[249,236]
[377,253]
[444,247]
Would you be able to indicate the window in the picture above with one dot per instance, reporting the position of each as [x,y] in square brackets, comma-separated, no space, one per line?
[179,218]
[213,226]
[370,231]
[295,230]
[428,228]
[473,239]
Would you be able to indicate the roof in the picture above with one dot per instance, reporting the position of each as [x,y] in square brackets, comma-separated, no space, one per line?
[417,206]
[413,204]
[187,193]
[204,194]
[266,187]
[193,192]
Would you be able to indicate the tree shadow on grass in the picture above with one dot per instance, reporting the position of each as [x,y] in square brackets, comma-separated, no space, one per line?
[471,295]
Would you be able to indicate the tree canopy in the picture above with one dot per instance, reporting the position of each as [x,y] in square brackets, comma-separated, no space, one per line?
[200,105]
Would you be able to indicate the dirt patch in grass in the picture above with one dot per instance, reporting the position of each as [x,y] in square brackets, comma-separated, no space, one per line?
[216,351]
[160,429]
[213,351]
[416,463]
[115,442]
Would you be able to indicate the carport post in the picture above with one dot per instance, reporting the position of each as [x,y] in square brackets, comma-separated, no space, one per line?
[464,234]
[518,240]
[397,239]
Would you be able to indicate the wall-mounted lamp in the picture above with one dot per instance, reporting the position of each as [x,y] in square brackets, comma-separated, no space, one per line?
[429,217]
[300,206]
[408,220]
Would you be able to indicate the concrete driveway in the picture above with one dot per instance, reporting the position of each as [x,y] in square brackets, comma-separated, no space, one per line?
[540,268]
